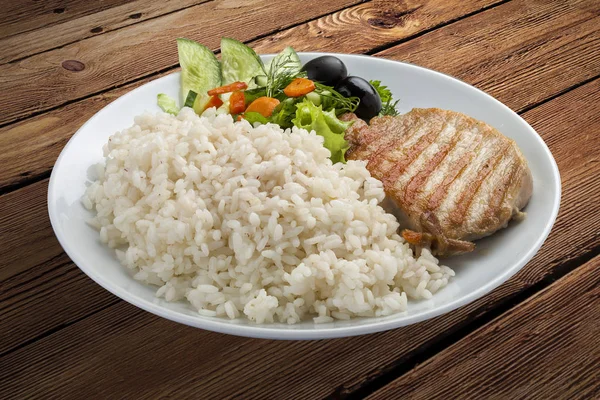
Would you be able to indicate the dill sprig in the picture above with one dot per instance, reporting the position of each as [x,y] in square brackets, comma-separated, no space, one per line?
[388,103]
[389,108]
[331,98]
[281,72]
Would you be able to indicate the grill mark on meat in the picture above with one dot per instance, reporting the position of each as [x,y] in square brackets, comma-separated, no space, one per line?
[439,195]
[379,158]
[381,131]
[481,202]
[355,132]
[373,155]
[487,141]
[502,190]
[410,156]
[392,140]
[364,151]
[457,215]
[465,145]
[461,172]
[416,183]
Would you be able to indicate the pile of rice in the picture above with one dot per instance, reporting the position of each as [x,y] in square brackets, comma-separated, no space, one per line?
[253,222]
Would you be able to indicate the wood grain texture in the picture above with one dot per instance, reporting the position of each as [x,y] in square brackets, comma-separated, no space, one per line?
[26,235]
[54,286]
[528,46]
[33,145]
[92,344]
[18,16]
[102,354]
[98,63]
[30,148]
[64,32]
[365,27]
[546,348]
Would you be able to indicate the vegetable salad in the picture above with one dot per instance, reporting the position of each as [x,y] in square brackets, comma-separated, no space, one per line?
[282,91]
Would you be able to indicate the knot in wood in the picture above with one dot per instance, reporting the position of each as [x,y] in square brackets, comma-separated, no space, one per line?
[385,23]
[73,65]
[391,19]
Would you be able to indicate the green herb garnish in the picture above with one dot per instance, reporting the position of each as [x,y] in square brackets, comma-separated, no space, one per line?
[388,103]
[332,99]
[280,73]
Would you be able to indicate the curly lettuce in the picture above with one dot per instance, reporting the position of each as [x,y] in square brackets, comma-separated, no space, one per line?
[326,124]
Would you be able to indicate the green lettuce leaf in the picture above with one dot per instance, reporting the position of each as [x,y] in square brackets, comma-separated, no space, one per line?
[326,124]
[253,117]
[284,113]
[167,104]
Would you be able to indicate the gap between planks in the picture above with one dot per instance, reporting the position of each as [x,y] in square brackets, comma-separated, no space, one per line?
[141,50]
[18,16]
[427,352]
[552,333]
[433,28]
[61,33]
[343,391]
[171,68]
[559,58]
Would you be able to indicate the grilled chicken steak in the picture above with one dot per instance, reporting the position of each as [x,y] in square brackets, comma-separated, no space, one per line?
[448,178]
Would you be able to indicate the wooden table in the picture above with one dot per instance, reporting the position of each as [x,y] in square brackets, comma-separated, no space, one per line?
[63,336]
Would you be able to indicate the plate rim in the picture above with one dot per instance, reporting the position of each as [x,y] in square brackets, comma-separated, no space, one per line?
[320,331]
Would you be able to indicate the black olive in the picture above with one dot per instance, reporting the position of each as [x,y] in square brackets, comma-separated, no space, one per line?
[328,70]
[370,102]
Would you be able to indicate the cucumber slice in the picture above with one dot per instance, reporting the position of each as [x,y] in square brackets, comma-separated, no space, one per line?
[289,57]
[200,71]
[314,98]
[190,99]
[260,80]
[196,102]
[240,62]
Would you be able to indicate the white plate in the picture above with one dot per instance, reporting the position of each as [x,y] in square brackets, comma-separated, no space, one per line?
[496,259]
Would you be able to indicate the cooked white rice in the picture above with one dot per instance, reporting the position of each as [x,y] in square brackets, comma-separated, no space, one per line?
[253,222]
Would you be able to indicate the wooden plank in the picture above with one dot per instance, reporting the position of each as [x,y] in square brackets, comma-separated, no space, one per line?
[26,235]
[18,16]
[115,58]
[368,26]
[30,148]
[543,45]
[546,348]
[55,285]
[42,149]
[46,134]
[43,137]
[83,26]
[102,350]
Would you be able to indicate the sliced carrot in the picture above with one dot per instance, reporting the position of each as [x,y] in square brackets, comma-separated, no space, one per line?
[240,117]
[299,87]
[263,105]
[237,103]
[214,101]
[232,87]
